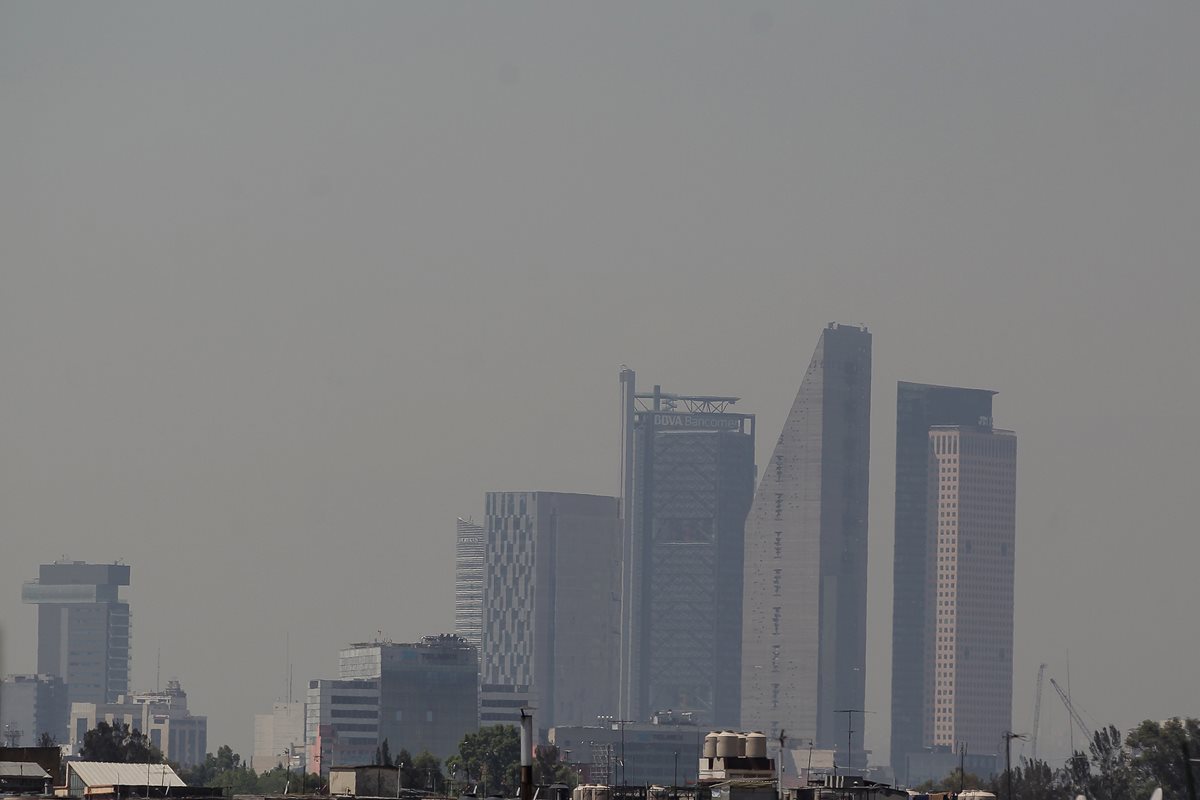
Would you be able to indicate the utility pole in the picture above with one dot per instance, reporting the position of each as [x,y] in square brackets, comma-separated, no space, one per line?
[962,765]
[1008,737]
[849,712]
[779,781]
[622,723]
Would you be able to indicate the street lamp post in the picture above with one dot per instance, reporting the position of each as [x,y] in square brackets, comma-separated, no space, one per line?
[1008,737]
[675,780]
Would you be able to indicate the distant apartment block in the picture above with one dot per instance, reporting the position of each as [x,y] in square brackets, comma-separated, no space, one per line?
[32,705]
[805,634]
[468,581]
[341,723]
[278,734]
[83,628]
[972,536]
[428,690]
[162,716]
[919,407]
[687,483]
[551,602]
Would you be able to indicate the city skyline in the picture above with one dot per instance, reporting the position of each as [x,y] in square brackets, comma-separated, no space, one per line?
[289,287]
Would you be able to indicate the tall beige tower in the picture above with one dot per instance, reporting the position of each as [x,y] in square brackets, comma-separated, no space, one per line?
[969,618]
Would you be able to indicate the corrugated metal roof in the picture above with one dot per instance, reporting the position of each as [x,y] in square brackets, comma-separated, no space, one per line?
[107,773]
[22,769]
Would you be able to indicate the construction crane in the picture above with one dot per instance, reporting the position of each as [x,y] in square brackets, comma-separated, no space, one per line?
[1071,710]
[1037,713]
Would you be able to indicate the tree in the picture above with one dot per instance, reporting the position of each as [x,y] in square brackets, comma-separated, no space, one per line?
[226,770]
[549,767]
[46,740]
[493,755]
[427,772]
[118,743]
[1158,759]
[408,773]
[1111,760]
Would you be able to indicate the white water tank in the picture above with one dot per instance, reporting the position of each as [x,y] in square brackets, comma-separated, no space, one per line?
[727,744]
[710,744]
[756,745]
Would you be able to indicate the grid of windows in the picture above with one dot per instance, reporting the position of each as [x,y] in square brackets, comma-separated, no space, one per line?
[972,530]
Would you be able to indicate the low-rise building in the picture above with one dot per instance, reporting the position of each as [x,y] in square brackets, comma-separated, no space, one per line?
[365,781]
[23,777]
[106,778]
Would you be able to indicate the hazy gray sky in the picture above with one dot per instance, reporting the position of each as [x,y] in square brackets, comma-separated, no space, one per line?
[286,287]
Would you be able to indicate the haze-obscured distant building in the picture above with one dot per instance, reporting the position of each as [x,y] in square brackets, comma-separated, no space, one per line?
[469,548]
[972,536]
[805,635]
[83,628]
[31,705]
[919,407]
[162,716]
[276,734]
[687,482]
[649,750]
[428,690]
[341,724]
[552,588]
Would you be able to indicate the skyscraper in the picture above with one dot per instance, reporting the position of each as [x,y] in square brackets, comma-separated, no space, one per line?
[468,581]
[687,482]
[551,601]
[804,645]
[83,628]
[969,585]
[918,408]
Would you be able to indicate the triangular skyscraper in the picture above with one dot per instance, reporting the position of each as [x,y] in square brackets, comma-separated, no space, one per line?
[805,590]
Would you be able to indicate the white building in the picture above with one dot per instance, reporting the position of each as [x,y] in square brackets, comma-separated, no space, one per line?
[276,734]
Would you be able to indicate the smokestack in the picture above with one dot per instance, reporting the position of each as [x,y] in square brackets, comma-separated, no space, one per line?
[526,754]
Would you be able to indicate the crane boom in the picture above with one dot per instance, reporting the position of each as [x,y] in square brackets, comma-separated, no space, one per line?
[1071,710]
[1037,712]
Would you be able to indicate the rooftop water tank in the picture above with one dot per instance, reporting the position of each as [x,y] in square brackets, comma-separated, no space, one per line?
[710,744]
[727,744]
[756,745]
